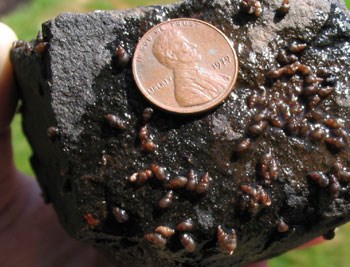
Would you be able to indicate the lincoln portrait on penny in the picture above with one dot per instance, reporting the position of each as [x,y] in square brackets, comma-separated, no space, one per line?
[194,85]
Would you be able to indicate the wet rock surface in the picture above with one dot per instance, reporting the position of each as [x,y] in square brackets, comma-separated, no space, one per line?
[263,173]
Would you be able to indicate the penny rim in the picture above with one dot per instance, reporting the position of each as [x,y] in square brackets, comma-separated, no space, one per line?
[194,109]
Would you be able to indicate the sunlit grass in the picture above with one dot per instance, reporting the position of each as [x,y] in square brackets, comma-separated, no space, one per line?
[329,254]
[27,19]
[21,147]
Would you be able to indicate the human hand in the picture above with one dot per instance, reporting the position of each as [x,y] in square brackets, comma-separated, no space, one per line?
[30,234]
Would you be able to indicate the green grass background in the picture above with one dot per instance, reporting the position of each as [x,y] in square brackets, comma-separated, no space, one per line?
[26,21]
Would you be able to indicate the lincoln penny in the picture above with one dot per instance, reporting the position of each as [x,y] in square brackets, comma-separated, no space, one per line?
[185,66]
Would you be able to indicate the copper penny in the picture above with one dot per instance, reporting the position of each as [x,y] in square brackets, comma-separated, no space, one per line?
[185,66]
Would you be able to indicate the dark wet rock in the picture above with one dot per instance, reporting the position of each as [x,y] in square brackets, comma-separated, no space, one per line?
[89,168]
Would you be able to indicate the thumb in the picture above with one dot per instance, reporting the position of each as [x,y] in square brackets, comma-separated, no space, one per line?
[8,102]
[7,94]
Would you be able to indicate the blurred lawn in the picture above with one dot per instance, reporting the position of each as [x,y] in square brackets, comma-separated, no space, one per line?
[26,21]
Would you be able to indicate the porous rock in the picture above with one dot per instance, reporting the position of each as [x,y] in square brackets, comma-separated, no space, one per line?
[75,80]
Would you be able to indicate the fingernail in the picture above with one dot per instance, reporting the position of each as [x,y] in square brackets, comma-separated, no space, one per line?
[6,40]
[7,94]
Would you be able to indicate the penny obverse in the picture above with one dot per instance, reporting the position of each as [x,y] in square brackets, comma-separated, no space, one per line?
[185,66]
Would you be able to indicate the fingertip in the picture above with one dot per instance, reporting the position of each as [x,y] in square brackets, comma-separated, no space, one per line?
[7,94]
[9,34]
